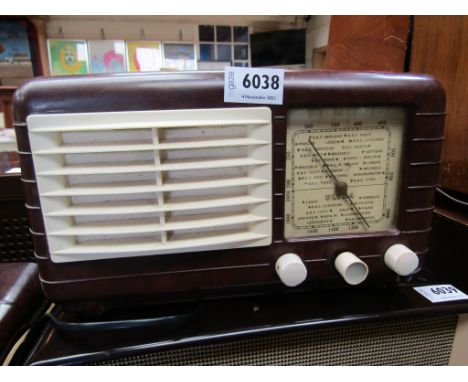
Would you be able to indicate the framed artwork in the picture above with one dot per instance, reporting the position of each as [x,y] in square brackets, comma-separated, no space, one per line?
[143,56]
[68,57]
[179,56]
[14,43]
[106,56]
[19,45]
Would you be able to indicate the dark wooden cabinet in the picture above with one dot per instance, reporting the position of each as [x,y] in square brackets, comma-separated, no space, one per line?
[440,48]
[435,45]
[368,43]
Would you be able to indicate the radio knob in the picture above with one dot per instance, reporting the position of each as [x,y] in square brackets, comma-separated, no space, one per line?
[400,259]
[353,270]
[290,269]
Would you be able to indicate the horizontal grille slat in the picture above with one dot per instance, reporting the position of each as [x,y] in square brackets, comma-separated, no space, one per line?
[139,227]
[123,188]
[150,125]
[124,184]
[88,251]
[151,207]
[193,165]
[81,149]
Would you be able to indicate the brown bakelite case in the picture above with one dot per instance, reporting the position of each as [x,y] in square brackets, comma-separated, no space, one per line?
[247,270]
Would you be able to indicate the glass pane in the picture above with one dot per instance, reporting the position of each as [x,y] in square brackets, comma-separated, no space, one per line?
[207,52]
[68,57]
[224,52]
[179,56]
[223,33]
[106,56]
[241,52]
[241,34]
[243,64]
[143,56]
[206,32]
[316,205]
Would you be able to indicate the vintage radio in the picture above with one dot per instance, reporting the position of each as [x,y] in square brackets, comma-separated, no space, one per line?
[151,187]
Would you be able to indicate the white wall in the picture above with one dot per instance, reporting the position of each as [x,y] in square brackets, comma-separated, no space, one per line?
[160,28]
[124,30]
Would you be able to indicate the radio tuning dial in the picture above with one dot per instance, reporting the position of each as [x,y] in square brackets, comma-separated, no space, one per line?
[290,269]
[400,259]
[343,167]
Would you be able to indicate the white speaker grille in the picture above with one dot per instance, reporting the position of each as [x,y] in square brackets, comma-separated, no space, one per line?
[125,184]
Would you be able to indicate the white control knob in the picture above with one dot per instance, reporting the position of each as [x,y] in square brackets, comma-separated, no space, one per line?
[400,259]
[290,269]
[353,270]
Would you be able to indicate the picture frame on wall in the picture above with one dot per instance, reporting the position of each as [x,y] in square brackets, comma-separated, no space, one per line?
[16,48]
[143,56]
[19,50]
[14,43]
[67,57]
[107,56]
[179,56]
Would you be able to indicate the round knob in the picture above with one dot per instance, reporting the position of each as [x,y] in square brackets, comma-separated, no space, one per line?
[400,259]
[290,269]
[353,270]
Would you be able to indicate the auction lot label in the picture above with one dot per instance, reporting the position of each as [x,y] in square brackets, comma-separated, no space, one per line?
[441,293]
[251,85]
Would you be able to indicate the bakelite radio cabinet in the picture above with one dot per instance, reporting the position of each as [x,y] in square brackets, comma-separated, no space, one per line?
[149,187]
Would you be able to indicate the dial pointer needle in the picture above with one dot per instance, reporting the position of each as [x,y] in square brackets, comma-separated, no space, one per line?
[341,188]
[330,172]
[357,211]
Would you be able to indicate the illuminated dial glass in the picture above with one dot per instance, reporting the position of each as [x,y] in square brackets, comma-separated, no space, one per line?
[342,170]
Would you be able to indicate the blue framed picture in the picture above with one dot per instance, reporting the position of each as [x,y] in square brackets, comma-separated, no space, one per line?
[14,43]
